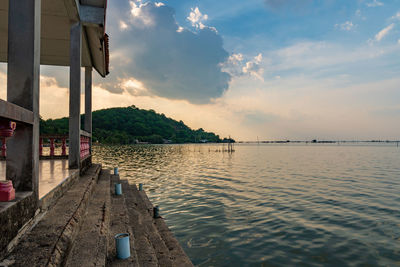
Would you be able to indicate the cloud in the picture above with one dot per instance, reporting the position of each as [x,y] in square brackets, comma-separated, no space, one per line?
[257,118]
[236,65]
[346,26]
[253,67]
[123,25]
[235,58]
[197,18]
[380,35]
[397,16]
[139,16]
[54,98]
[327,59]
[134,87]
[374,3]
[168,60]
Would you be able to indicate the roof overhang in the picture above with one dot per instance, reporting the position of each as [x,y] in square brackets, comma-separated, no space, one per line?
[56,19]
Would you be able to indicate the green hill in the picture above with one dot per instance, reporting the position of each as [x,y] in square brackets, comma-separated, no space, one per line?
[131,124]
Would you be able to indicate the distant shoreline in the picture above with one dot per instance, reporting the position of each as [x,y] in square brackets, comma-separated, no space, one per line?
[318,141]
[264,142]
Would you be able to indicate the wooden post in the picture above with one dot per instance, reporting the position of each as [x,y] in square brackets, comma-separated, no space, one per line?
[75,95]
[23,74]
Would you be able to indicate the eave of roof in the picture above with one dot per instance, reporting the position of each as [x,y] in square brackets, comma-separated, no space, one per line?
[56,17]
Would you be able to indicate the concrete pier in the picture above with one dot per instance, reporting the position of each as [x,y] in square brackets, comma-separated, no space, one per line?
[79,229]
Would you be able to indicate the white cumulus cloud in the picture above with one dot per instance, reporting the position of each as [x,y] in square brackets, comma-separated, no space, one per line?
[197,18]
[235,58]
[237,65]
[253,67]
[165,60]
[138,14]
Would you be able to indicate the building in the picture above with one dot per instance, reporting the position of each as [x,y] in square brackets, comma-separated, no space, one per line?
[50,32]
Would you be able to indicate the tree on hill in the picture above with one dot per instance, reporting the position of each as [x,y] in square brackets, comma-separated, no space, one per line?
[131,124]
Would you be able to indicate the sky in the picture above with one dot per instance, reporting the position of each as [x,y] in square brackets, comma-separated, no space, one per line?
[267,69]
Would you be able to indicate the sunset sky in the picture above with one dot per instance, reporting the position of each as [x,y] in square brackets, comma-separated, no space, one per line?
[276,69]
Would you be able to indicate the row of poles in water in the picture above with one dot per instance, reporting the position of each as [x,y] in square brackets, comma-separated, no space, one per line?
[122,242]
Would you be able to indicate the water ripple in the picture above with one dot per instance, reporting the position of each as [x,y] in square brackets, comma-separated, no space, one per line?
[270,205]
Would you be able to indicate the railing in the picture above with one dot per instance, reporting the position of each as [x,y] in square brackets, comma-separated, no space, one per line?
[51,140]
[85,150]
[85,147]
[55,141]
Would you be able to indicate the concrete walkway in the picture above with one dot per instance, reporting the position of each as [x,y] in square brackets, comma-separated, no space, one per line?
[51,174]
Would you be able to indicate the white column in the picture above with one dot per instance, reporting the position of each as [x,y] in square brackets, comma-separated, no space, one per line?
[75,95]
[23,75]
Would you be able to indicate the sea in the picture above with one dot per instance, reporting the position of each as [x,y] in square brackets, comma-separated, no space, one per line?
[272,204]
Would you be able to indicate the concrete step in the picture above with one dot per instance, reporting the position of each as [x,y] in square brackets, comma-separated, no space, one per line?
[48,243]
[90,246]
[152,243]
[176,254]
[119,223]
[146,236]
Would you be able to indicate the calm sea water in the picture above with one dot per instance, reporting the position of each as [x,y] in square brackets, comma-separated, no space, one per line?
[273,205]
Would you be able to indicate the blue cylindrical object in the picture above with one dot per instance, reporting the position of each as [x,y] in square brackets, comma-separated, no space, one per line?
[122,245]
[156,212]
[140,187]
[118,189]
[116,171]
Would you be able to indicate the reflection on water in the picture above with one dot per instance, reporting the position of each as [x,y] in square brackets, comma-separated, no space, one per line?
[272,205]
